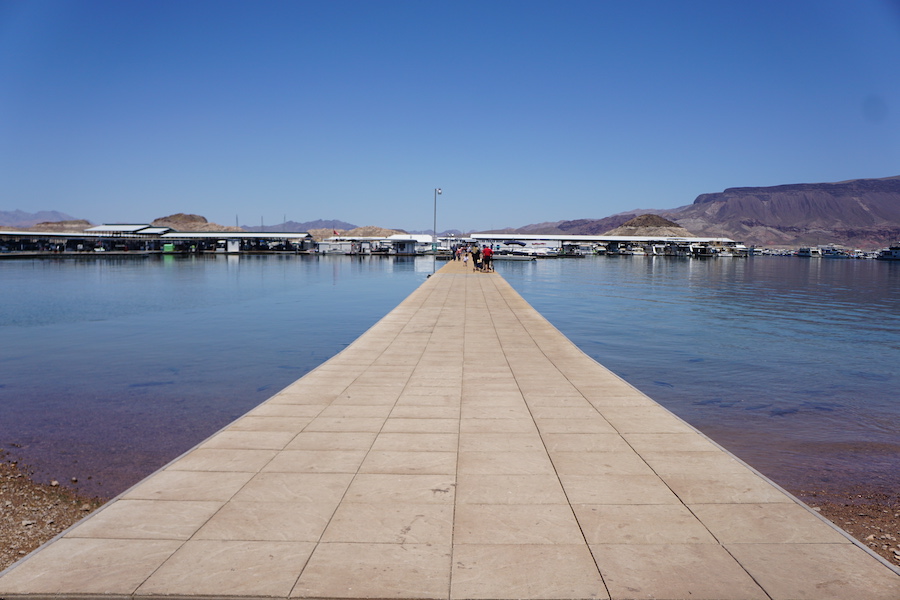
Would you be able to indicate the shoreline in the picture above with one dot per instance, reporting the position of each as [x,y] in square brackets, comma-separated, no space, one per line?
[33,513]
[870,516]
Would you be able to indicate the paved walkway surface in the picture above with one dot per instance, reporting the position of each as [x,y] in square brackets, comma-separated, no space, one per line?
[461,448]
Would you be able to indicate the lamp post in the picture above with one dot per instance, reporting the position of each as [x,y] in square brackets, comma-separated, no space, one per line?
[437,192]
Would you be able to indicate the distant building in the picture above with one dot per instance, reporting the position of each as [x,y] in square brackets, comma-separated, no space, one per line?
[147,238]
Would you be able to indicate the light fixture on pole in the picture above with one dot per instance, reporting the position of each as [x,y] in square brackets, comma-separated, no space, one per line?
[437,192]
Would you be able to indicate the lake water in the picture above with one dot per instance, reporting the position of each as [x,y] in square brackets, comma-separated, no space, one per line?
[109,368]
[790,363]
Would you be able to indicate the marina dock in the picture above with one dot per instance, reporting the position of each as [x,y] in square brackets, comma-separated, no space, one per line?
[462,448]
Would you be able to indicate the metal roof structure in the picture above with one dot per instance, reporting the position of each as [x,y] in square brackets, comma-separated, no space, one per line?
[162,233]
[599,238]
[45,234]
[118,228]
[234,235]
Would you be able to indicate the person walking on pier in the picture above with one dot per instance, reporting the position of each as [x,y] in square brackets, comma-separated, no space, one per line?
[488,259]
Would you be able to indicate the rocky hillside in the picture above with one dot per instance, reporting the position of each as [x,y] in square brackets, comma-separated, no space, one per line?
[650,225]
[184,222]
[862,213]
[576,227]
[365,231]
[73,226]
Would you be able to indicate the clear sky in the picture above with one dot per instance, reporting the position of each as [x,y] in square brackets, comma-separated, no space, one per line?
[522,112]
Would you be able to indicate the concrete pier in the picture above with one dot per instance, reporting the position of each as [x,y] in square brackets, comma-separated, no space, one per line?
[461,448]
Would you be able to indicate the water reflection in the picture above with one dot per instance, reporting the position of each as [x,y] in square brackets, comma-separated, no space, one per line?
[774,357]
[111,368]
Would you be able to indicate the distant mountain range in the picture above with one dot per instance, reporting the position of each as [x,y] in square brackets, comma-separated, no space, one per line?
[20,219]
[861,213]
[293,226]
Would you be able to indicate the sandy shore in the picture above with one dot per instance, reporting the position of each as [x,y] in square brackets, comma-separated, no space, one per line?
[33,513]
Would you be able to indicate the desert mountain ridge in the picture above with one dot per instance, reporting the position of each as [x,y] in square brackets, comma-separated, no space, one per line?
[364,231]
[650,225]
[863,213]
[858,213]
[330,224]
[19,219]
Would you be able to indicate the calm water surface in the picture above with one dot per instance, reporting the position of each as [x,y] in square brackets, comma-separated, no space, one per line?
[790,363]
[109,368]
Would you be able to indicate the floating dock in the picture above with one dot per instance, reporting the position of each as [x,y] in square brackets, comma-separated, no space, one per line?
[461,448]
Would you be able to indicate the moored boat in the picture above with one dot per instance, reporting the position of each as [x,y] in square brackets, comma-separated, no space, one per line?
[892,253]
[833,251]
[513,257]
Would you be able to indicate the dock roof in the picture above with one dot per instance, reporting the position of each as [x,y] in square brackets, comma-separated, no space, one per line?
[117,228]
[599,238]
[235,235]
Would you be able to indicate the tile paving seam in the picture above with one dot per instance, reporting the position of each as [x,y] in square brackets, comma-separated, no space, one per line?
[571,505]
[737,552]
[540,319]
[404,324]
[453,544]
[198,446]
[796,501]
[166,466]
[566,493]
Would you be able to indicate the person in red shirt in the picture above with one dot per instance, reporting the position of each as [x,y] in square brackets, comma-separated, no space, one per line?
[488,255]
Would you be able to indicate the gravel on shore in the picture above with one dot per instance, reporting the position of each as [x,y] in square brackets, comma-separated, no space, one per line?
[33,513]
[873,518]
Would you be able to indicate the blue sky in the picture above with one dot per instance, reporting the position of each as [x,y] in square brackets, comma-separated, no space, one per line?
[522,112]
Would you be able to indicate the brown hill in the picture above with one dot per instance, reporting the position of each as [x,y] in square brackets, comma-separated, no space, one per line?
[185,222]
[373,231]
[862,213]
[73,226]
[365,231]
[576,227]
[650,225]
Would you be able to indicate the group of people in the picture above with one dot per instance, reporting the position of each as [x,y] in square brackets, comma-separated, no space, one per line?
[482,258]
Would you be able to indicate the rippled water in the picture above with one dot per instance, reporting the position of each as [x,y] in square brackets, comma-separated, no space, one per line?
[790,363]
[109,368]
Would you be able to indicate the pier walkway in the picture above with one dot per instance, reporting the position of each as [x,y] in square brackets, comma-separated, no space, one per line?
[461,448]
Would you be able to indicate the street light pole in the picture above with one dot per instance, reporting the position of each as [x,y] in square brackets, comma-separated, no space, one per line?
[437,192]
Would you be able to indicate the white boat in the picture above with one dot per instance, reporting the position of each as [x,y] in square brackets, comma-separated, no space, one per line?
[809,253]
[533,252]
[513,257]
[892,253]
[834,252]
